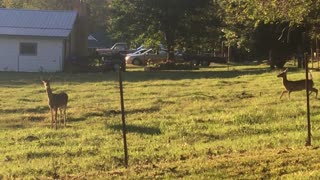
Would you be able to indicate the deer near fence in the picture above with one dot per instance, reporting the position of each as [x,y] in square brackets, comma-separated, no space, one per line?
[56,102]
[291,86]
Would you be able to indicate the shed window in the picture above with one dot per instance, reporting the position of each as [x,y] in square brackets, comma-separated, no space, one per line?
[28,49]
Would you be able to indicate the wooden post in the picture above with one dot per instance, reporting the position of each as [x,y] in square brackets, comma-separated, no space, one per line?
[308,142]
[229,54]
[222,49]
[317,52]
[124,128]
[311,52]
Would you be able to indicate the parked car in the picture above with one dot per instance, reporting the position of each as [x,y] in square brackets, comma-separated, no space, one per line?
[143,58]
[139,51]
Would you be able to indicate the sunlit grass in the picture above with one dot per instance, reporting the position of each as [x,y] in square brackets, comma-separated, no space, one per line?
[218,122]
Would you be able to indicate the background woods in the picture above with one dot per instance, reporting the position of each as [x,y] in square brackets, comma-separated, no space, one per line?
[249,28]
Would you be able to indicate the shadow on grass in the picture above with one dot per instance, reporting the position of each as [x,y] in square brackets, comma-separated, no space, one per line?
[79,119]
[113,112]
[12,126]
[39,109]
[34,118]
[21,79]
[179,75]
[137,129]
[143,110]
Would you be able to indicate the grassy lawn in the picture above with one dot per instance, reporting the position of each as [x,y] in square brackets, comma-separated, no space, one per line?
[213,123]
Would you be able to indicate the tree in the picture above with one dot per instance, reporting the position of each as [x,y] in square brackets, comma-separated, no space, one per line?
[200,30]
[150,18]
[98,13]
[40,4]
[286,20]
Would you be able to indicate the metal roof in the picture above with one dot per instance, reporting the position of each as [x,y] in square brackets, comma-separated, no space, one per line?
[21,22]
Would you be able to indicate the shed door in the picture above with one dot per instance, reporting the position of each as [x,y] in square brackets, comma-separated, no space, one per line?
[8,62]
[8,55]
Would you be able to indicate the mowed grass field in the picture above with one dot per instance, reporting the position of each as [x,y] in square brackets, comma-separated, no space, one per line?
[214,123]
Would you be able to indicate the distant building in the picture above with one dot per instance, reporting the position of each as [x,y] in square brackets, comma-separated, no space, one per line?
[39,40]
[98,39]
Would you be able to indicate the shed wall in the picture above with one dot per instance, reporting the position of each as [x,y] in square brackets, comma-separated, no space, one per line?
[49,57]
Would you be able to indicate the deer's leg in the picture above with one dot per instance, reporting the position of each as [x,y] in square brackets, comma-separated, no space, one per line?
[314,90]
[51,111]
[285,91]
[65,116]
[56,114]
[60,115]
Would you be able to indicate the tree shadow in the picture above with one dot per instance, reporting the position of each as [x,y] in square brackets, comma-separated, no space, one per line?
[137,129]
[34,118]
[130,111]
[73,119]
[94,114]
[180,75]
[38,109]
[143,110]
[14,79]
[12,126]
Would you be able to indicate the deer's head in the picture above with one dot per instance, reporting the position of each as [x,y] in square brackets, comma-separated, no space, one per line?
[283,73]
[45,82]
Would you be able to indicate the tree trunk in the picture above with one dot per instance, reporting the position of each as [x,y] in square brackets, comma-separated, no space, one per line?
[270,59]
[170,44]
[300,57]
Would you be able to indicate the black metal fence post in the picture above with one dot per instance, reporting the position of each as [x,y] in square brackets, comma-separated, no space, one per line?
[124,128]
[308,142]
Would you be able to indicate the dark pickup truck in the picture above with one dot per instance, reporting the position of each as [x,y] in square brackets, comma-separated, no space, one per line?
[113,58]
[203,59]
[118,48]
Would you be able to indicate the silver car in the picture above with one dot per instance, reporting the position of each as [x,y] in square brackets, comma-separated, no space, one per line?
[143,58]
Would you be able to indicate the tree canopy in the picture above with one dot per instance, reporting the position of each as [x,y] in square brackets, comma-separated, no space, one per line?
[249,26]
[166,20]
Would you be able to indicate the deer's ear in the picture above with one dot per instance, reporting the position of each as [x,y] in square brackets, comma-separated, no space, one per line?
[286,70]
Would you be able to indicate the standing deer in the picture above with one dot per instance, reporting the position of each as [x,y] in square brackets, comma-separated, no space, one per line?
[296,85]
[56,102]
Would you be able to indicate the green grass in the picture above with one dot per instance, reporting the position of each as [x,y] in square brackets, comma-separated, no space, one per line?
[213,123]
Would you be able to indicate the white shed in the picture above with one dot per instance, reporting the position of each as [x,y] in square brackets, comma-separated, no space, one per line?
[35,40]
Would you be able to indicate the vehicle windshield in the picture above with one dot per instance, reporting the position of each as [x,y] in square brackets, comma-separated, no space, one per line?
[119,46]
[140,51]
[147,51]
